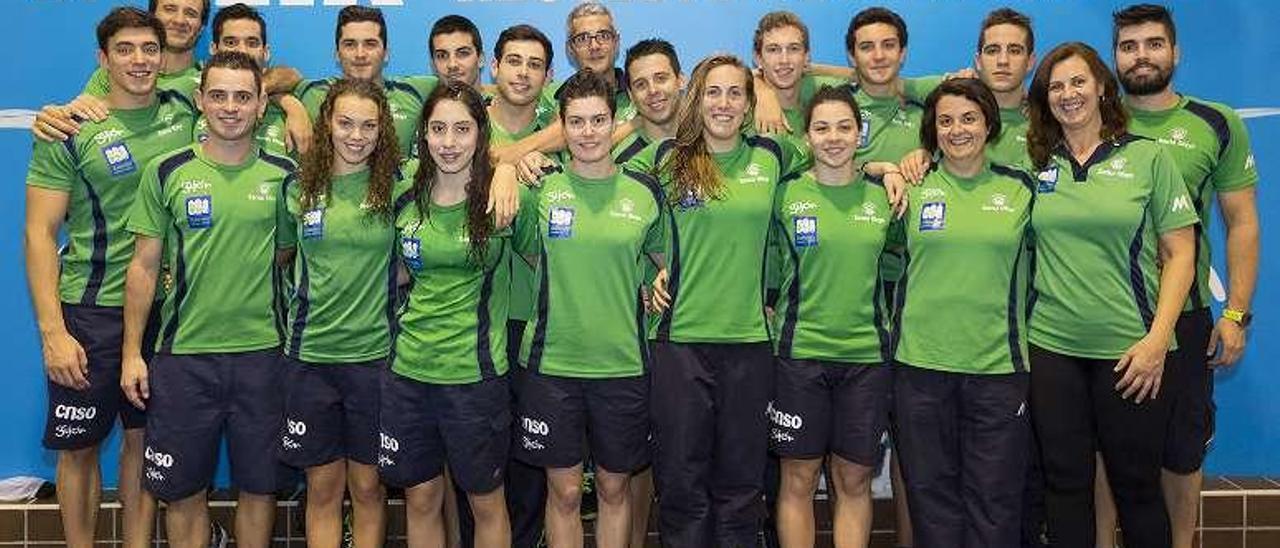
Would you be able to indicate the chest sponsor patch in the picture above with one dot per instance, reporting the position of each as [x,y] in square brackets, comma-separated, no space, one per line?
[933,216]
[864,131]
[119,159]
[560,223]
[805,231]
[313,224]
[199,211]
[411,253]
[1047,180]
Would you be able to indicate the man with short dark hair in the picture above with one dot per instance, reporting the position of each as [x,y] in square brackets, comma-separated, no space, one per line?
[1210,144]
[781,52]
[457,52]
[211,209]
[86,185]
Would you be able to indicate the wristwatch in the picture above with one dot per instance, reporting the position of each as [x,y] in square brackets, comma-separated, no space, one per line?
[1239,316]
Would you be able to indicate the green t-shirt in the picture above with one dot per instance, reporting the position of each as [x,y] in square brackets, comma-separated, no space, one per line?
[1210,145]
[99,168]
[716,251]
[809,85]
[1009,148]
[185,81]
[831,306]
[453,330]
[549,102]
[1097,229]
[405,95]
[219,226]
[522,286]
[341,309]
[588,236]
[961,305]
[270,132]
[631,145]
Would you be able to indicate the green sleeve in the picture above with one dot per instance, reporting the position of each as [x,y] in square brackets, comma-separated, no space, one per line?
[286,219]
[1235,168]
[525,229]
[312,96]
[1171,206]
[896,239]
[644,160]
[99,84]
[775,255]
[423,84]
[796,156]
[655,239]
[51,166]
[918,89]
[148,215]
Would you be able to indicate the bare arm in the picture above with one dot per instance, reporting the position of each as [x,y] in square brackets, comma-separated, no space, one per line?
[1143,363]
[139,293]
[1240,211]
[279,80]
[64,359]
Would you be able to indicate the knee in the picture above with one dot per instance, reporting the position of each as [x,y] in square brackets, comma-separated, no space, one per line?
[424,499]
[851,480]
[612,489]
[366,490]
[83,457]
[565,493]
[800,478]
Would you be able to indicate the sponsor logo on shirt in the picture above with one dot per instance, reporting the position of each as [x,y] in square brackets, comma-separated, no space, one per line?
[313,224]
[864,131]
[933,194]
[1249,162]
[107,136]
[1181,203]
[690,200]
[753,174]
[805,231]
[397,113]
[560,223]
[169,129]
[192,186]
[411,253]
[869,214]
[264,193]
[199,211]
[933,216]
[557,196]
[1048,180]
[1116,168]
[997,202]
[119,159]
[796,208]
[625,209]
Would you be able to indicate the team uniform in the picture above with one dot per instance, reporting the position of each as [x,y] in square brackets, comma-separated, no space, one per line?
[1210,145]
[184,82]
[960,395]
[1096,282]
[831,322]
[217,367]
[446,398]
[713,371]
[99,169]
[809,85]
[340,318]
[405,95]
[585,354]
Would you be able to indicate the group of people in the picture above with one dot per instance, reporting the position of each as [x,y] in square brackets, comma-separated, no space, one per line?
[704,291]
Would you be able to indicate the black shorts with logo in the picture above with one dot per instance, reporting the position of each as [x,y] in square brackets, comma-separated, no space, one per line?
[556,414]
[822,407]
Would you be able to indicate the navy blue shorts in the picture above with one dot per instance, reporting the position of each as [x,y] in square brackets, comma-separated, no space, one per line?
[424,426]
[195,400]
[822,407]
[330,412]
[1190,393]
[77,419]
[556,414]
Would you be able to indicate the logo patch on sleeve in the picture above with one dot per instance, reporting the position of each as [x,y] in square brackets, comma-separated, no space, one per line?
[560,223]
[933,216]
[119,159]
[199,211]
[805,231]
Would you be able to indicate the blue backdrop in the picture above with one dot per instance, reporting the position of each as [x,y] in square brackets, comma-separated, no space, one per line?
[1229,54]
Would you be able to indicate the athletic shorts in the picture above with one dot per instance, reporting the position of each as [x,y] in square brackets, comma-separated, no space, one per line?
[1191,412]
[76,419]
[330,412]
[196,400]
[823,407]
[555,415]
[425,426]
